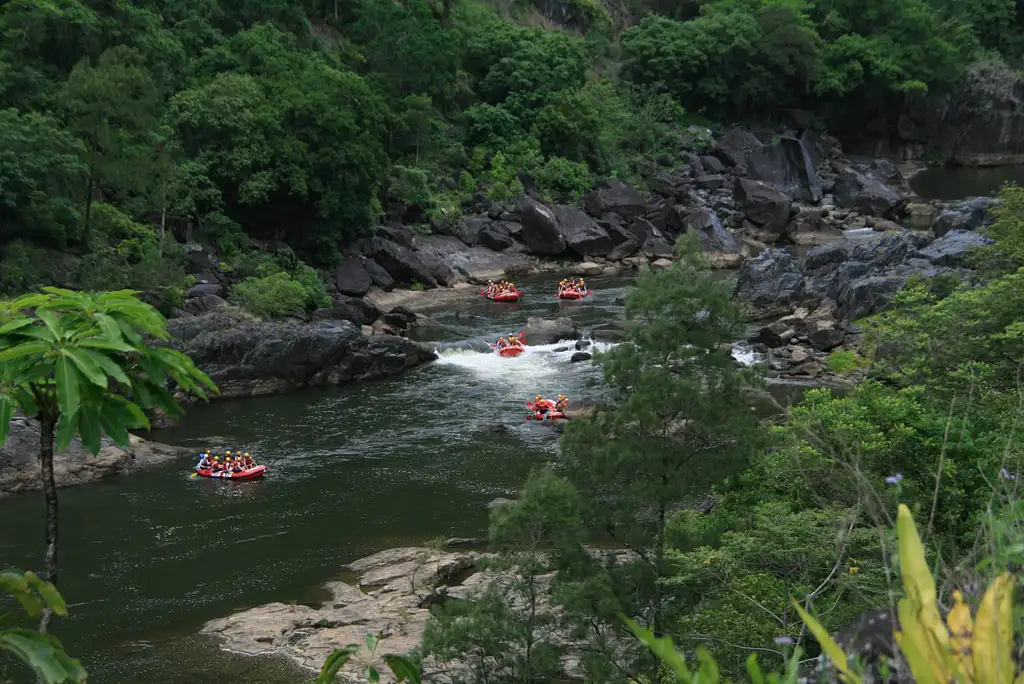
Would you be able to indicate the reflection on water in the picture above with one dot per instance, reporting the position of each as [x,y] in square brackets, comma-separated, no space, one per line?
[953,182]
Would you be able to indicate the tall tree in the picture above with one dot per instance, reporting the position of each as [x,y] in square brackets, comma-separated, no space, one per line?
[679,418]
[79,363]
[112,107]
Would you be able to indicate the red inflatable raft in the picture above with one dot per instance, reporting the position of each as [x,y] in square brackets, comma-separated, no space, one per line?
[504,296]
[572,294]
[514,350]
[250,474]
[551,414]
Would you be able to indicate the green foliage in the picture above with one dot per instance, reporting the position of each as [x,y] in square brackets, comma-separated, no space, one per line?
[678,421]
[741,56]
[403,668]
[41,652]
[276,292]
[844,361]
[81,357]
[1007,230]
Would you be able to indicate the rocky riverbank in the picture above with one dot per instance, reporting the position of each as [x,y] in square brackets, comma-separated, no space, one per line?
[19,459]
[390,593]
[754,201]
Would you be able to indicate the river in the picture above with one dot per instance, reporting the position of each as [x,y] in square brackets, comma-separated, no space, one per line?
[953,182]
[146,559]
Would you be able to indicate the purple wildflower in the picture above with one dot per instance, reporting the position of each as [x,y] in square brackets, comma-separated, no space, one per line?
[894,479]
[784,641]
[1007,475]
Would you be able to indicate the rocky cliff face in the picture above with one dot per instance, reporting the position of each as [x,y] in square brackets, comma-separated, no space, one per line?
[249,357]
[19,462]
[980,123]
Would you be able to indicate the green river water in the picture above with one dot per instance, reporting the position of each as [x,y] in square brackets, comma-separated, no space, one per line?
[146,559]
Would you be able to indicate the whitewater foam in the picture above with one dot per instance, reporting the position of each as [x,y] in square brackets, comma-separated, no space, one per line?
[536,362]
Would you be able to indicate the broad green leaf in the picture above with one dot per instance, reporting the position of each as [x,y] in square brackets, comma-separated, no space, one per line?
[110,419]
[129,414]
[107,345]
[403,668]
[26,401]
[22,350]
[67,428]
[663,648]
[334,663]
[109,327]
[89,429]
[68,391]
[371,641]
[373,675]
[51,321]
[16,584]
[108,365]
[92,372]
[6,413]
[16,324]
[50,595]
[43,654]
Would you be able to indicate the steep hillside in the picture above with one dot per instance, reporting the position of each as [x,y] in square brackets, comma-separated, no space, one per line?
[131,128]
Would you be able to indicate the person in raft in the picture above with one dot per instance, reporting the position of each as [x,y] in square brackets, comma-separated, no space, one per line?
[561,403]
[235,464]
[501,287]
[575,284]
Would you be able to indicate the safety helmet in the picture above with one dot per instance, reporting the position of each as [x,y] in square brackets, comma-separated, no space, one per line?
[246,453]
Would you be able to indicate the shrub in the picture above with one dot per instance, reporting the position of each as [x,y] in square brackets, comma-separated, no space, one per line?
[844,361]
[275,292]
[274,295]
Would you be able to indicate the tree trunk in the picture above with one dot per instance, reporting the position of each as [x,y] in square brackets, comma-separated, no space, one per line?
[47,424]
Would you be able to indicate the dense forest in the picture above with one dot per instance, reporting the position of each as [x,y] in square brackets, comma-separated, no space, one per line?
[130,128]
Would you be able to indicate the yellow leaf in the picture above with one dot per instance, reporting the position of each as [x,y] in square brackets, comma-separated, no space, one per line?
[961,633]
[916,660]
[828,645]
[993,633]
[917,577]
[932,662]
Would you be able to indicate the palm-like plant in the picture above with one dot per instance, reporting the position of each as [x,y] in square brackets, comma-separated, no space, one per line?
[42,652]
[80,363]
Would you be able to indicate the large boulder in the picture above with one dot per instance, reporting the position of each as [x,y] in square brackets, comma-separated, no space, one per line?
[731,149]
[787,166]
[771,283]
[400,262]
[969,214]
[345,308]
[581,233]
[489,233]
[474,264]
[380,277]
[19,459]
[351,278]
[714,238]
[541,232]
[863,192]
[953,247]
[247,357]
[614,196]
[765,207]
[548,331]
